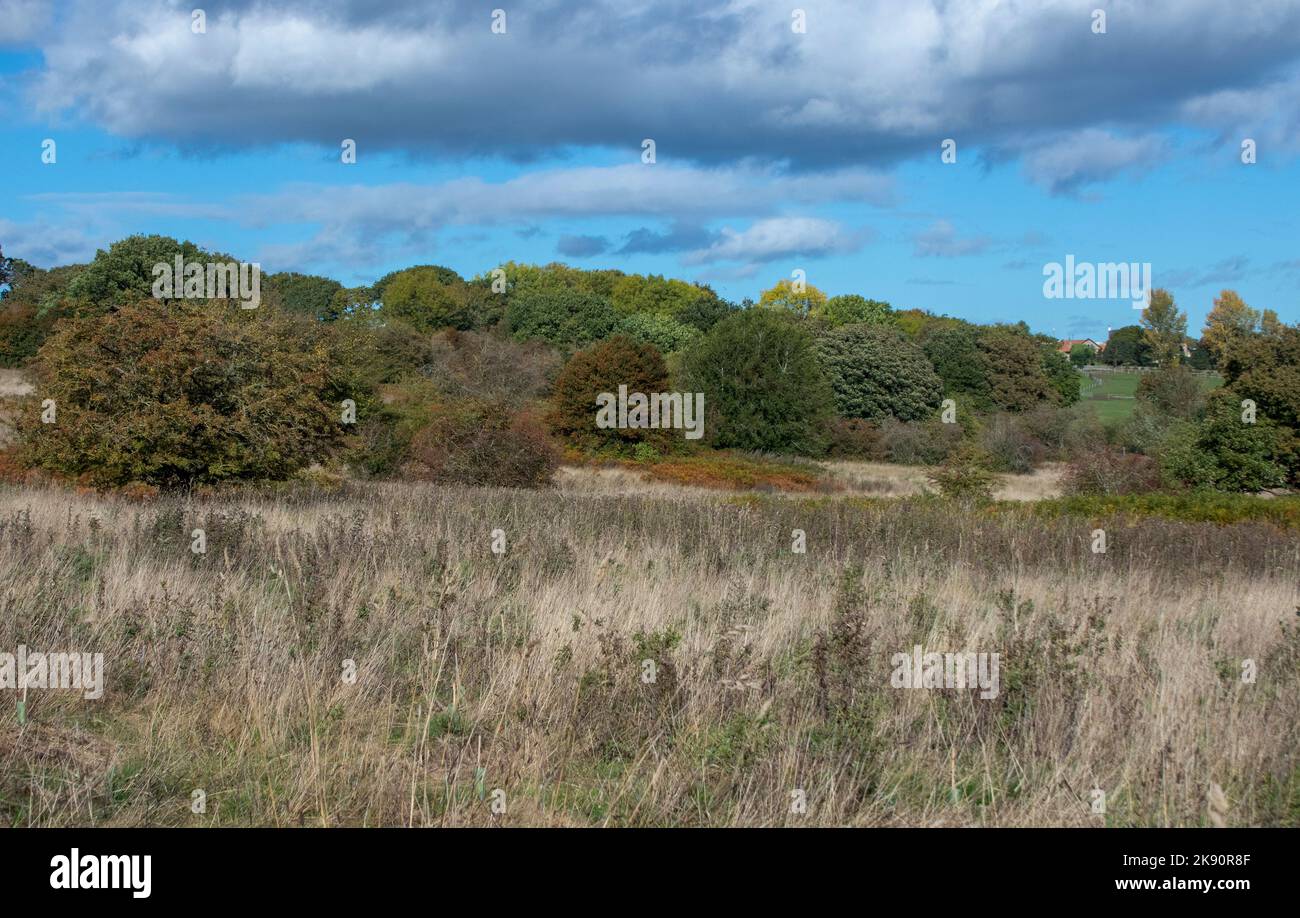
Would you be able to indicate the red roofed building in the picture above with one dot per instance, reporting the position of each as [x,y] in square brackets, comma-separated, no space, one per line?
[1068,345]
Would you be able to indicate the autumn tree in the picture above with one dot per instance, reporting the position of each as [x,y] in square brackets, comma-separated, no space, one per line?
[176,393]
[800,298]
[1229,322]
[602,368]
[1164,327]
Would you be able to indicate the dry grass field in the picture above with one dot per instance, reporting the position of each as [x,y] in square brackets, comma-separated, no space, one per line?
[639,659]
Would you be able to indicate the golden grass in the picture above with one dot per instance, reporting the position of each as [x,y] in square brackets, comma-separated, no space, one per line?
[523,671]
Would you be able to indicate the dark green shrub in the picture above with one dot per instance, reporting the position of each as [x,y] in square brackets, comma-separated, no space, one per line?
[764,389]
[877,373]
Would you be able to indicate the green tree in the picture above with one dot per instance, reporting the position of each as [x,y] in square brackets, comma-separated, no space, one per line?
[1127,347]
[877,372]
[763,386]
[1060,371]
[563,315]
[958,357]
[664,332]
[307,294]
[705,311]
[1082,354]
[125,271]
[852,309]
[428,299]
[1265,368]
[1223,453]
[1164,327]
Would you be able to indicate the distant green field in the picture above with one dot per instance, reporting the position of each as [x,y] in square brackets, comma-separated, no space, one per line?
[1112,393]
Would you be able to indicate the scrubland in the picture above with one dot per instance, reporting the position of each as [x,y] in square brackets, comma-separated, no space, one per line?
[643,659]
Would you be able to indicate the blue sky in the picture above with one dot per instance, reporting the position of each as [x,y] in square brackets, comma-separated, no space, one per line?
[776,150]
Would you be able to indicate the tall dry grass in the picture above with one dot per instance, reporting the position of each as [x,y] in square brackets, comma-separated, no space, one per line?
[522,672]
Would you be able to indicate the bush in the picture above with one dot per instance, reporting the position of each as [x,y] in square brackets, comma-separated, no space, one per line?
[920,442]
[665,333]
[562,315]
[877,373]
[1174,391]
[854,438]
[306,294]
[603,367]
[1016,376]
[965,476]
[173,394]
[483,444]
[1223,453]
[34,301]
[764,390]
[1009,445]
[428,299]
[1107,470]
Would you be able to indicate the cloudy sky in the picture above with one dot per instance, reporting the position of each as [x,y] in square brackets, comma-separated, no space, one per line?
[775,149]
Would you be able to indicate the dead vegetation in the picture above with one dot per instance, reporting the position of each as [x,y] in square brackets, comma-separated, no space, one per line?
[525,672]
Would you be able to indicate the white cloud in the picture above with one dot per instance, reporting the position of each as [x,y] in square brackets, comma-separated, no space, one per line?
[23,20]
[778,237]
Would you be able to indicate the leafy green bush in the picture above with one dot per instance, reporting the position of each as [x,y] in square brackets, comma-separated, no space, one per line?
[959,359]
[305,294]
[124,272]
[1223,453]
[764,389]
[877,373]
[965,476]
[562,315]
[428,299]
[852,309]
[664,332]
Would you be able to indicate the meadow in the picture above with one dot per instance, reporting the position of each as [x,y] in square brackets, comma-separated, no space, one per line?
[1113,393]
[362,656]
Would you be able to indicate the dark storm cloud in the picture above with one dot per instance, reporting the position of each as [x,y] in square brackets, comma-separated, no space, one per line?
[870,82]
